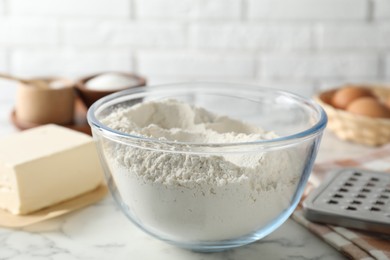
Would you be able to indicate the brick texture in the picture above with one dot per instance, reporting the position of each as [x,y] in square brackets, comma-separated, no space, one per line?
[168,9]
[188,9]
[196,65]
[382,9]
[31,31]
[139,34]
[68,62]
[296,45]
[3,60]
[218,9]
[304,66]
[251,36]
[71,8]
[370,36]
[308,9]
[2,7]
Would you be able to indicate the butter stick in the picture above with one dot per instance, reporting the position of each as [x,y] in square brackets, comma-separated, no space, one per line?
[46,165]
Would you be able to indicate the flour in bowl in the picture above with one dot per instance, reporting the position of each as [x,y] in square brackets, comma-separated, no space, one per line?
[202,196]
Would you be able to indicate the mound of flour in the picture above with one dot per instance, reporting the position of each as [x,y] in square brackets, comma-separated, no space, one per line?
[197,197]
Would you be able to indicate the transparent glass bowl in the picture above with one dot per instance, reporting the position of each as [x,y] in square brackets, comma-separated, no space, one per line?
[212,215]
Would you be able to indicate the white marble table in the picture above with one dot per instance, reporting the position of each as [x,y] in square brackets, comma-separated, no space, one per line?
[101,231]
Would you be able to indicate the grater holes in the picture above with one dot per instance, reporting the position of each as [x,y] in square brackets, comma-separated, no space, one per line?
[352,179]
[379,202]
[356,194]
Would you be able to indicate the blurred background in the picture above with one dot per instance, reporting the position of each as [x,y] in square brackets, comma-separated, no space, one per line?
[298,45]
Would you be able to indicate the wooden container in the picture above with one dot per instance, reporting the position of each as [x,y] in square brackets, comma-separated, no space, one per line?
[43,105]
[357,128]
[89,96]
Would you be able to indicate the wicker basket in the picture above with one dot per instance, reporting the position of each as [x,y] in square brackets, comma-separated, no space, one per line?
[357,128]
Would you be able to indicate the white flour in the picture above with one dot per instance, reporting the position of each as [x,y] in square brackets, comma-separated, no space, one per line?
[192,197]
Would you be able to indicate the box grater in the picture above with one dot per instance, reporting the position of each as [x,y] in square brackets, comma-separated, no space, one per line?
[353,198]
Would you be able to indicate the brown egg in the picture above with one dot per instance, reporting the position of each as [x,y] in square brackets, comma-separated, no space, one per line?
[368,106]
[344,96]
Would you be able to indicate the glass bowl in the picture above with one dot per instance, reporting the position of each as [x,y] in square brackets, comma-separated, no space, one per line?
[223,202]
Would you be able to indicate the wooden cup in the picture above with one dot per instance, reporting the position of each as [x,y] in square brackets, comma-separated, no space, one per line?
[44,105]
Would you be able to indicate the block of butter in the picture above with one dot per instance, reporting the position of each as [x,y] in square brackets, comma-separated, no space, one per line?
[46,165]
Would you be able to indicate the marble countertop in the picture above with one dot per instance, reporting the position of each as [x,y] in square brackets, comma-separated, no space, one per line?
[101,231]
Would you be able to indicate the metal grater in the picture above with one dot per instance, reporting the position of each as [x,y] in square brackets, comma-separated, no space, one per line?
[353,198]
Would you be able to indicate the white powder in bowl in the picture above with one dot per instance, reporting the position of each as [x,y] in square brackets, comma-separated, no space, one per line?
[198,197]
[111,81]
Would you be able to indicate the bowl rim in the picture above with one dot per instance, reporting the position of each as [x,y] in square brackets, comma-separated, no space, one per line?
[314,130]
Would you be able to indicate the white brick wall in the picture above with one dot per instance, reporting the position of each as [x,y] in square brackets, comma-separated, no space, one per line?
[188,9]
[131,34]
[32,31]
[251,36]
[298,45]
[3,59]
[2,7]
[382,9]
[325,66]
[218,9]
[372,36]
[308,9]
[197,65]
[69,62]
[71,8]
[165,10]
